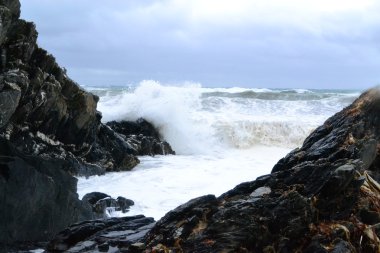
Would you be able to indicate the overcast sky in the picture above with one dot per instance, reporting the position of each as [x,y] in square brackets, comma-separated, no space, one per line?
[247,43]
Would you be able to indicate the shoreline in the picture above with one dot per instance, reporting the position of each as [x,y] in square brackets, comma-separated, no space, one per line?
[321,197]
[161,183]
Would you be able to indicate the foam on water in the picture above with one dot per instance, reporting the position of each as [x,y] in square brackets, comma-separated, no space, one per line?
[162,183]
[222,136]
[173,110]
[196,120]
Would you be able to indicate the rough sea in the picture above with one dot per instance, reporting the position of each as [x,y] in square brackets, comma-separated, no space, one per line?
[222,137]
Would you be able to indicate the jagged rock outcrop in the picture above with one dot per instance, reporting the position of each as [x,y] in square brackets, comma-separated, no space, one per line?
[142,136]
[50,130]
[37,194]
[103,235]
[322,197]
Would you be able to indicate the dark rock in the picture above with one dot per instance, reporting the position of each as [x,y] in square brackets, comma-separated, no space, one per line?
[136,247]
[94,197]
[142,137]
[369,217]
[12,6]
[50,130]
[315,247]
[103,205]
[343,247]
[114,232]
[368,153]
[103,247]
[9,99]
[30,208]
[50,103]
[338,181]
[140,126]
[124,203]
[111,151]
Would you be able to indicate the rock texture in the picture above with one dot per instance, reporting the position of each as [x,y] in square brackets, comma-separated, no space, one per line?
[108,235]
[37,196]
[142,136]
[322,197]
[103,205]
[50,130]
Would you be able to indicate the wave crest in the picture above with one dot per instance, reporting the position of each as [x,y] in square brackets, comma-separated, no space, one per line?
[196,120]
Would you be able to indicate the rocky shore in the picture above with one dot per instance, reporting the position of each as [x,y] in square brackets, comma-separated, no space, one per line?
[322,197]
[51,131]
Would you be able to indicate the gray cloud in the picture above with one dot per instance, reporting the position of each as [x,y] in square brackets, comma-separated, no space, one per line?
[243,44]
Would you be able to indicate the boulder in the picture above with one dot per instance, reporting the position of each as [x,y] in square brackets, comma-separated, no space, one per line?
[102,235]
[124,203]
[94,197]
[140,126]
[103,205]
[142,137]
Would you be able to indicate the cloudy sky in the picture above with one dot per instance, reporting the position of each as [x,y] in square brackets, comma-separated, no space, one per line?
[247,43]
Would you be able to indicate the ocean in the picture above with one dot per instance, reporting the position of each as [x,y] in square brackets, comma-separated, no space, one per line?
[222,137]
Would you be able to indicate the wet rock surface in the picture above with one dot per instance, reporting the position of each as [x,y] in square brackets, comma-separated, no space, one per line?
[322,197]
[103,205]
[50,130]
[142,136]
[109,235]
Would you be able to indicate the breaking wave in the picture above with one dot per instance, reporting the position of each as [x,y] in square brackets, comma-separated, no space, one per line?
[196,120]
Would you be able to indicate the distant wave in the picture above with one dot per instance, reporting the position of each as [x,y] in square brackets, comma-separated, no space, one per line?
[289,95]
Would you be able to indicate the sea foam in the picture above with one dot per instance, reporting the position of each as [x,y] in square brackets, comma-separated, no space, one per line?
[196,120]
[222,136]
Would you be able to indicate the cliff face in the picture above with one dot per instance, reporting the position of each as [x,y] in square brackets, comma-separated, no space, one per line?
[36,90]
[41,111]
[50,130]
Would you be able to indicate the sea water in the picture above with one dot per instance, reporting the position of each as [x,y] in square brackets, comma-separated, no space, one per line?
[222,137]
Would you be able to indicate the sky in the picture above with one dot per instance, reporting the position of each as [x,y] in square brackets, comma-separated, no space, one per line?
[217,43]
